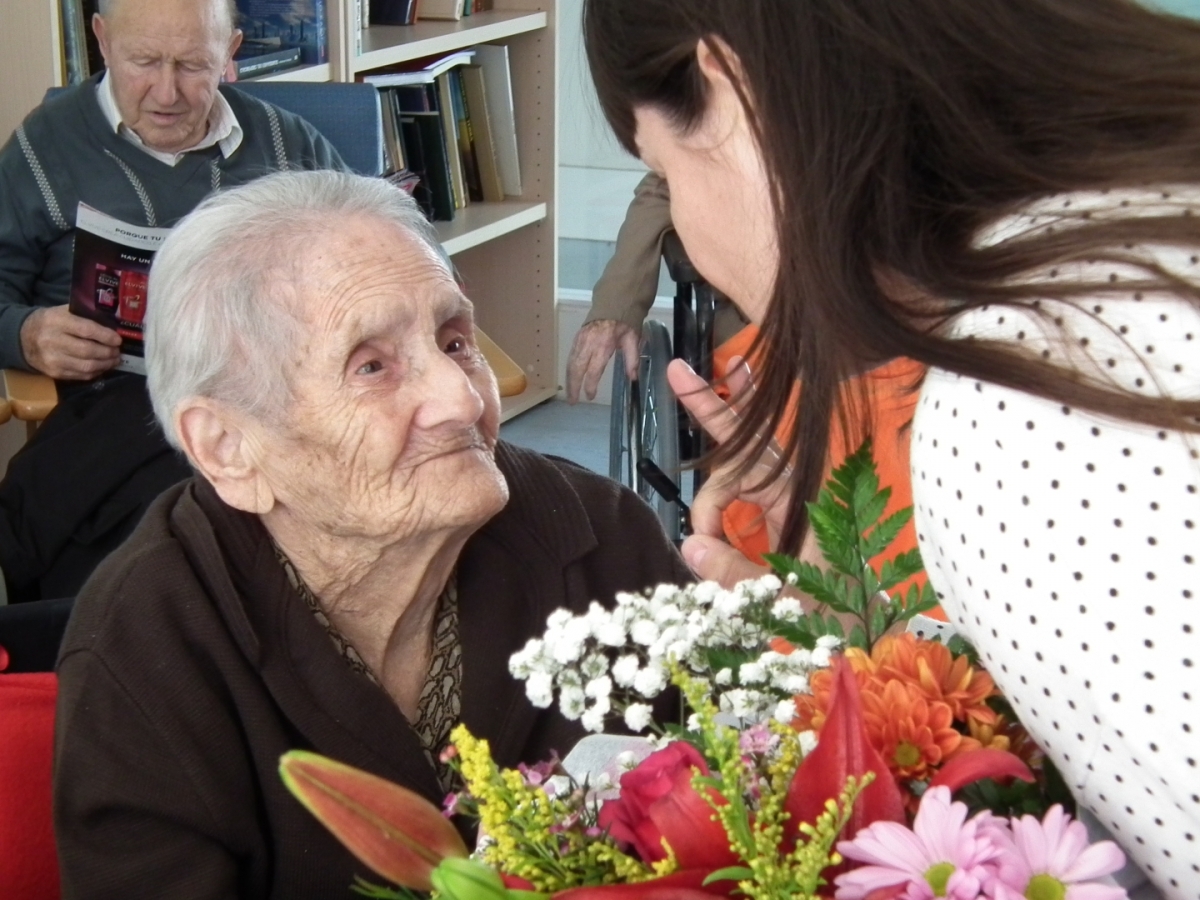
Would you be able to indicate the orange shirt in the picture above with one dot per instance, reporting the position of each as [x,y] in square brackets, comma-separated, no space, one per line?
[893,401]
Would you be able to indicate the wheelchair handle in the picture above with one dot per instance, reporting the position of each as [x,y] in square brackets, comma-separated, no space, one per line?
[666,488]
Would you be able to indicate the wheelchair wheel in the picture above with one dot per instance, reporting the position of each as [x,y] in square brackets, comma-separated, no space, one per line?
[644,423]
[658,423]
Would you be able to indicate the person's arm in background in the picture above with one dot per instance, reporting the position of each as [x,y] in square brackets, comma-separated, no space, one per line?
[40,337]
[622,297]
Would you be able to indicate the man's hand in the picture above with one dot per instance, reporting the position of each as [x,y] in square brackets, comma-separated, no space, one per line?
[63,345]
[594,345]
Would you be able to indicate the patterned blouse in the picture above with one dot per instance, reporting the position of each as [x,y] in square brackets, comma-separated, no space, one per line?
[440,704]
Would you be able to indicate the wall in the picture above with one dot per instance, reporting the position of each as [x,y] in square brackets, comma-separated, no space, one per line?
[32,62]
[596,178]
[1178,7]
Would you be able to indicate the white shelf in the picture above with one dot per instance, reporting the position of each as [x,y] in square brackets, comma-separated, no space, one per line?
[386,45]
[300,73]
[525,401]
[482,222]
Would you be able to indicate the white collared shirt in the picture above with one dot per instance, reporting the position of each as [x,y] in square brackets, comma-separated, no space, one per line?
[223,127]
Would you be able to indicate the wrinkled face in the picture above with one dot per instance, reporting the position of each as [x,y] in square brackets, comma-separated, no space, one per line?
[165,59]
[392,429]
[720,201]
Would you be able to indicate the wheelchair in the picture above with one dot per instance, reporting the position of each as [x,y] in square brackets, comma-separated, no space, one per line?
[651,439]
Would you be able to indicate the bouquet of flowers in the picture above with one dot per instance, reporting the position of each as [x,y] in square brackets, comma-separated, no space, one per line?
[819,753]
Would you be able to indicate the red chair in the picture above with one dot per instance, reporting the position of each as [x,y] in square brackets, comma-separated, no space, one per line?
[28,860]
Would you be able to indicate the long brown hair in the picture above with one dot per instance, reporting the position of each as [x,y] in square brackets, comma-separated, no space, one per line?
[893,131]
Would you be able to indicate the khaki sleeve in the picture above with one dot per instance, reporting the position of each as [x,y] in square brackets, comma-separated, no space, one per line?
[626,289]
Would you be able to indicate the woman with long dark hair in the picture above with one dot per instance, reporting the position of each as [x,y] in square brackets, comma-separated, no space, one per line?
[1007,191]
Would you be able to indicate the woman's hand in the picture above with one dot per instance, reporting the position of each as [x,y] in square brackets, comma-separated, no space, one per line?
[706,551]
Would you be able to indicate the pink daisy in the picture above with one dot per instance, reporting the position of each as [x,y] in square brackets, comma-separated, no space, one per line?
[943,855]
[1051,860]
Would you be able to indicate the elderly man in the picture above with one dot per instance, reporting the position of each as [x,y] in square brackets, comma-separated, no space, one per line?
[350,569]
[144,143]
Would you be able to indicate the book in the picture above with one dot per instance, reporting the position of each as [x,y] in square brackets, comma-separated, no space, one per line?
[497,77]
[420,71]
[415,97]
[109,272]
[425,148]
[295,23]
[255,58]
[440,9]
[393,142]
[481,127]
[393,12]
[458,179]
[466,137]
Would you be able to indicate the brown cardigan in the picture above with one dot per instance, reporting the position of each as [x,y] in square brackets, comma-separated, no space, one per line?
[190,665]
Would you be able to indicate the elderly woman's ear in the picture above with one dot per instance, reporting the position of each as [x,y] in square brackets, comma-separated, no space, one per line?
[223,451]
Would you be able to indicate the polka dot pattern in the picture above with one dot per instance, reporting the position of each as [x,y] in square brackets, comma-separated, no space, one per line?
[1064,546]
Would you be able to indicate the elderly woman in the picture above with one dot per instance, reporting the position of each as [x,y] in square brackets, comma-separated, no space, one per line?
[349,570]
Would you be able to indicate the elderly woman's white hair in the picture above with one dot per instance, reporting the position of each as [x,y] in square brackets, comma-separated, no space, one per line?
[215,327]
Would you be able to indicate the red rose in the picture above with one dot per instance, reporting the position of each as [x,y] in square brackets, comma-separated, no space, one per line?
[658,802]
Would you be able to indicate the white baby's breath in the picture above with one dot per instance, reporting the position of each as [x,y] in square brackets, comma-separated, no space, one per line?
[808,741]
[625,669]
[752,673]
[638,716]
[540,689]
[627,759]
[787,608]
[593,719]
[570,702]
[599,687]
[650,681]
[611,660]
[644,632]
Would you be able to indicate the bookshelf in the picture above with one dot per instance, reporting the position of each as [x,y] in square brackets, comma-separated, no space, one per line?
[506,253]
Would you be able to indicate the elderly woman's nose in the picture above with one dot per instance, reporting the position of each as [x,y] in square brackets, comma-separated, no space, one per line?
[449,396]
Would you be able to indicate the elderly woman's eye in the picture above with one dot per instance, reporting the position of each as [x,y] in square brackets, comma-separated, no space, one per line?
[369,368]
[456,345]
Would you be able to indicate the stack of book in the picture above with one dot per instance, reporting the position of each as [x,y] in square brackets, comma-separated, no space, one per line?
[286,24]
[405,12]
[262,57]
[449,121]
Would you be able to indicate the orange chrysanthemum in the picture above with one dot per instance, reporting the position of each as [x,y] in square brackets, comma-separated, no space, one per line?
[992,737]
[913,734]
[938,674]
[812,708]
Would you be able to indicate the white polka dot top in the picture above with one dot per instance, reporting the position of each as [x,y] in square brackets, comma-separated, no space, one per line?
[1064,544]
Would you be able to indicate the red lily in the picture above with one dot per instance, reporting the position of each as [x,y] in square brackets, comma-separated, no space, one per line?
[982,763]
[843,750]
[364,812]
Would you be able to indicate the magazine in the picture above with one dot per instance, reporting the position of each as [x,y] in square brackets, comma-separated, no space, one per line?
[109,275]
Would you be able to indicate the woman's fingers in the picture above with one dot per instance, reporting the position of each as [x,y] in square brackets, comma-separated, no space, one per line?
[714,560]
[715,416]
[740,381]
[710,502]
